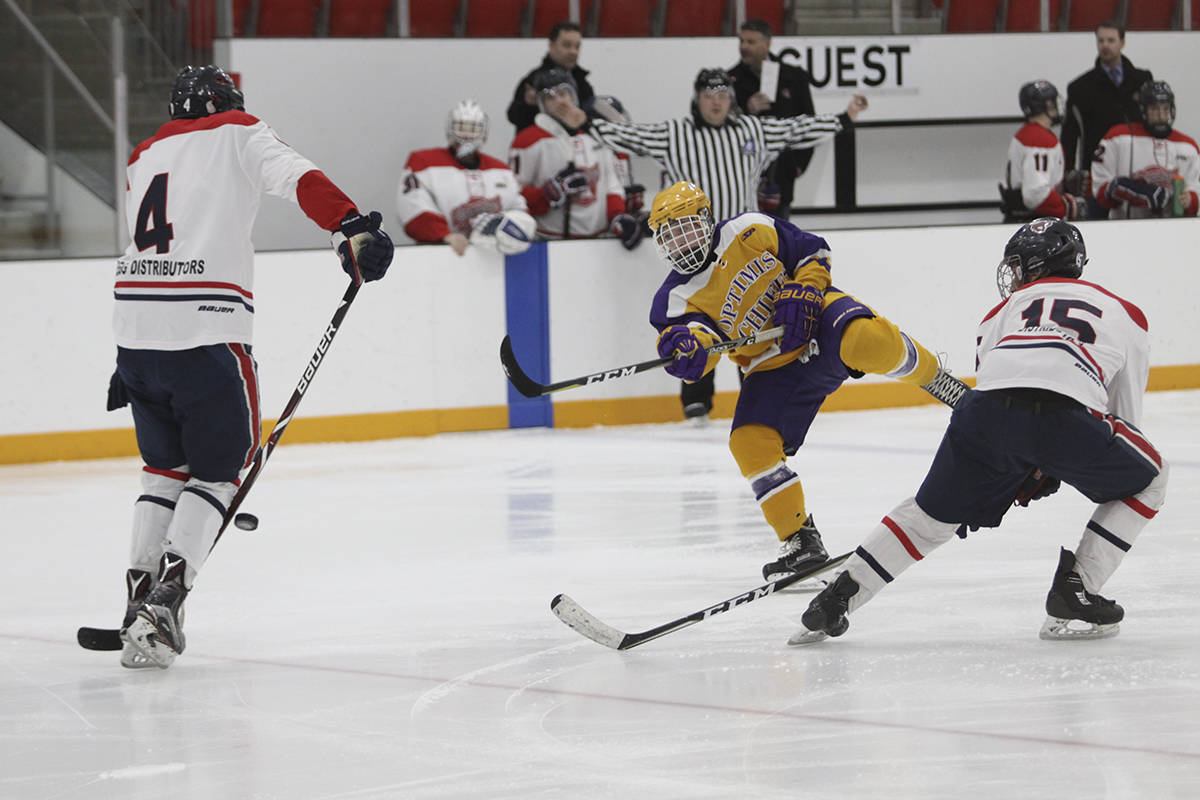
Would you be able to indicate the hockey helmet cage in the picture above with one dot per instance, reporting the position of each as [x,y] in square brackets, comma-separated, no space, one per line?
[466,127]
[1040,97]
[551,81]
[682,222]
[200,91]
[1153,93]
[1041,248]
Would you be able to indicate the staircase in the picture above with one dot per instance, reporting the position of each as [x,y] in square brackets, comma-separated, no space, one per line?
[80,32]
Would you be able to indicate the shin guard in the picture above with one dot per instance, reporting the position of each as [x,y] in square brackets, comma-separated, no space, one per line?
[758,451]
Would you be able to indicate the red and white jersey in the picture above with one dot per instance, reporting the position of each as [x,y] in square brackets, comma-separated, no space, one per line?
[540,152]
[1132,151]
[1035,166]
[1071,337]
[438,195]
[192,192]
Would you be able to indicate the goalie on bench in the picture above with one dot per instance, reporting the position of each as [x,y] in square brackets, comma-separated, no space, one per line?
[1062,369]
[747,274]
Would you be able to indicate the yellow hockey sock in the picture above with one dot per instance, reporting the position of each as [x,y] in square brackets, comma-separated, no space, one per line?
[877,346]
[758,451]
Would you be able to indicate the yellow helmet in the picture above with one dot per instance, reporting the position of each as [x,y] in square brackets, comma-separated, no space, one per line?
[681,219]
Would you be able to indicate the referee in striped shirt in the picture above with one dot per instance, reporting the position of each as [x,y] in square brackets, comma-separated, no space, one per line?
[725,154]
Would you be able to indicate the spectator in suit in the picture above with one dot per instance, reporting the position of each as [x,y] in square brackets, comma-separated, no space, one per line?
[566,40]
[1104,96]
[792,98]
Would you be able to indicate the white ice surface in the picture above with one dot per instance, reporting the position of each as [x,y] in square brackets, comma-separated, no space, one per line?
[386,632]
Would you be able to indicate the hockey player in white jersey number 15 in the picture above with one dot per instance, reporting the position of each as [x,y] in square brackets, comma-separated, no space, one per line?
[1148,169]
[1033,177]
[182,319]
[1062,367]
[447,192]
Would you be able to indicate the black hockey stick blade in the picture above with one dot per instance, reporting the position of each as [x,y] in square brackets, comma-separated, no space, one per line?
[531,388]
[577,617]
[99,638]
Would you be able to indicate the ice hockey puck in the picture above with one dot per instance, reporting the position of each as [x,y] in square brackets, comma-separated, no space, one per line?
[246,522]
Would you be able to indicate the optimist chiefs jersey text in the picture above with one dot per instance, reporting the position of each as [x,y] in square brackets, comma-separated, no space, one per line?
[193,191]
[1071,337]
[734,296]
[1035,166]
[1132,151]
[540,152]
[438,195]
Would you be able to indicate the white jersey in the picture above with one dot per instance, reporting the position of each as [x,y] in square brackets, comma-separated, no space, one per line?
[192,192]
[1071,337]
[1035,166]
[438,195]
[540,152]
[1132,151]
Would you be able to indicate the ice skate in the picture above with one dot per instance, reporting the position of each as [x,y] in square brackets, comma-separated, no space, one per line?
[696,414]
[157,630]
[826,614]
[802,550]
[1075,613]
[137,585]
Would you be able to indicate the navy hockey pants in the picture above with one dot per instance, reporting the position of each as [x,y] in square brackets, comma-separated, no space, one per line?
[197,407]
[995,439]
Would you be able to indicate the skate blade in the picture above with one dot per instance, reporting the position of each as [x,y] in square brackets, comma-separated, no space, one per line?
[1067,630]
[144,636]
[805,636]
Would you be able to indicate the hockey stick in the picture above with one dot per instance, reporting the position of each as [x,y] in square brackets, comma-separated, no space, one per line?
[110,638]
[575,616]
[531,388]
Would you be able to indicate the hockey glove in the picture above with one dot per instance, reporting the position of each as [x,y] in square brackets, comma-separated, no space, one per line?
[365,250]
[630,229]
[569,182]
[1077,182]
[118,396]
[769,197]
[687,345]
[798,309]
[1138,193]
[1035,487]
[1076,206]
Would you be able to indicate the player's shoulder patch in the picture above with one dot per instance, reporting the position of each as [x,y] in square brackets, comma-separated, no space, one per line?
[528,136]
[1034,135]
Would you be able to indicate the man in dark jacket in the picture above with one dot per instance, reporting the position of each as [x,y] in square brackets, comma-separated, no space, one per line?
[1104,96]
[563,52]
[792,98]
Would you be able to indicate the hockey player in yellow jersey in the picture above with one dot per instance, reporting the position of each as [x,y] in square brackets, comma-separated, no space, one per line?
[750,273]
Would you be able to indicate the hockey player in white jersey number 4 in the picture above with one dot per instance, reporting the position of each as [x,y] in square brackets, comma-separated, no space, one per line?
[1062,368]
[182,320]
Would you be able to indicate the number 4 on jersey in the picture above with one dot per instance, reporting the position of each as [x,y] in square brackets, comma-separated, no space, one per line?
[153,212]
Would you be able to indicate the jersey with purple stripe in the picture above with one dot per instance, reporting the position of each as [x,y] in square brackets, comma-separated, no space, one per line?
[787,398]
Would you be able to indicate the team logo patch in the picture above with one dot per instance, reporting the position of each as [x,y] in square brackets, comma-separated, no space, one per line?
[1041,225]
[749,148]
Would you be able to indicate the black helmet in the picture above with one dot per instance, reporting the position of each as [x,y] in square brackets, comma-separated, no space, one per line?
[553,77]
[1153,92]
[1046,246]
[200,91]
[713,78]
[1039,97]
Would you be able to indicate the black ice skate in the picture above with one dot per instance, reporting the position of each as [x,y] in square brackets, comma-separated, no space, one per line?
[1069,602]
[802,550]
[137,586]
[157,631]
[826,614]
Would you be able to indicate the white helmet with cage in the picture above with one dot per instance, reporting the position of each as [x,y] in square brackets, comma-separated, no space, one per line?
[466,127]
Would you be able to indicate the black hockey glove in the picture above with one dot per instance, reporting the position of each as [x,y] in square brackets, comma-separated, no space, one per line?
[1035,487]
[630,229]
[569,182]
[365,250]
[118,397]
[1138,193]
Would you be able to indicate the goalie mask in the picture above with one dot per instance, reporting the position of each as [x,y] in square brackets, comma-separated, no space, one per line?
[466,128]
[1041,248]
[1157,102]
[1040,97]
[682,222]
[200,91]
